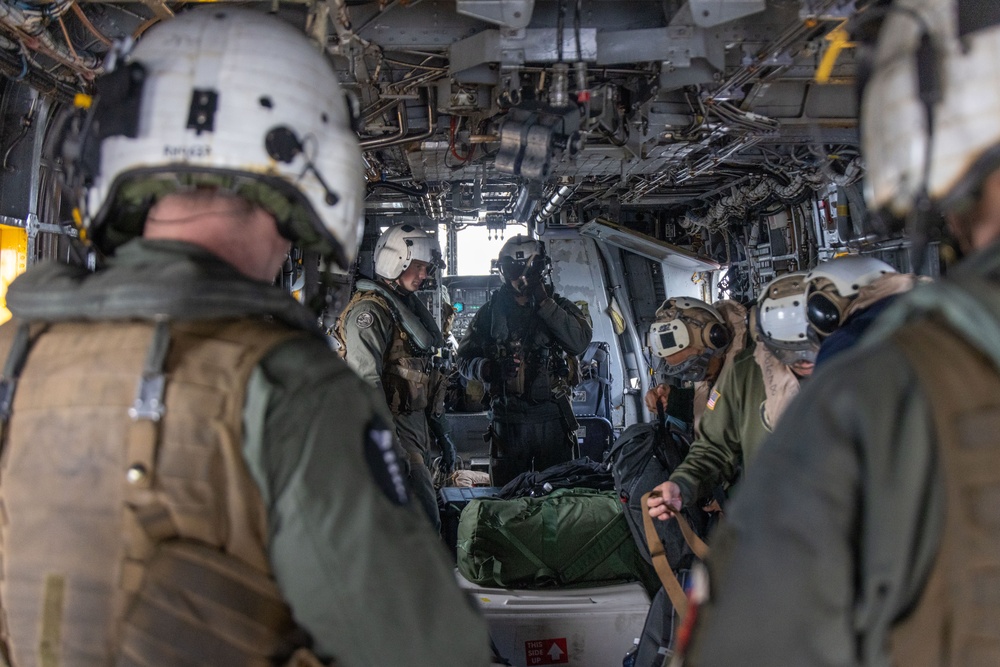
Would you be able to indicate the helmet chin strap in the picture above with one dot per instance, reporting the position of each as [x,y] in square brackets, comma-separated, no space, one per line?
[930,91]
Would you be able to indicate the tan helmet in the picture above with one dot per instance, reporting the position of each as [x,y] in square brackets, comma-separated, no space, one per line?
[832,285]
[781,319]
[686,334]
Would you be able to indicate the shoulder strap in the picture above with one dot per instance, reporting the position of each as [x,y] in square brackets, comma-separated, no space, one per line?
[147,519]
[414,318]
[953,373]
[25,335]
[663,570]
[356,298]
[962,387]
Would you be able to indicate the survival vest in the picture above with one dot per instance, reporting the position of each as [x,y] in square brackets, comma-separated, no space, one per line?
[544,370]
[410,379]
[956,621]
[133,532]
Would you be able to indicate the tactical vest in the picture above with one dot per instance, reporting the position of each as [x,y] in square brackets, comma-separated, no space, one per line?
[544,371]
[409,379]
[956,621]
[132,530]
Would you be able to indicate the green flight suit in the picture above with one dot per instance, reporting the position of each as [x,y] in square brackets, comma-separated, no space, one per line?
[829,542]
[368,331]
[357,569]
[731,430]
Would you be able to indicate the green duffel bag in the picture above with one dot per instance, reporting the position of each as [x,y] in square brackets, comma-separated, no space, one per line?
[572,537]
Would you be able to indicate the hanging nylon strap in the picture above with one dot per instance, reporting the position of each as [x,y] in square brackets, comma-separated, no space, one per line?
[147,520]
[663,570]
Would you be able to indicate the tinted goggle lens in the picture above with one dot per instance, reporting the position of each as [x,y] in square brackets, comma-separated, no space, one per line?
[511,268]
[822,314]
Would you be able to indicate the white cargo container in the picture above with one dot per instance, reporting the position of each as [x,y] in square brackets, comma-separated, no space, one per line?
[580,627]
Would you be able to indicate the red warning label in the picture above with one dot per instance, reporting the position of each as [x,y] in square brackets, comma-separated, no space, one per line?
[546,652]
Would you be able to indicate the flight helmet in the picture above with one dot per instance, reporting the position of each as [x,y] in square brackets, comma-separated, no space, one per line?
[400,245]
[834,284]
[515,255]
[930,114]
[199,104]
[686,334]
[781,319]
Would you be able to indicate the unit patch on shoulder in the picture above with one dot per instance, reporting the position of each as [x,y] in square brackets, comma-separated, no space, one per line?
[713,398]
[384,464]
[364,320]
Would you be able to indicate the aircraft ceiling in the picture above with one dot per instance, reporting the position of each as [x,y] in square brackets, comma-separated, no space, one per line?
[694,113]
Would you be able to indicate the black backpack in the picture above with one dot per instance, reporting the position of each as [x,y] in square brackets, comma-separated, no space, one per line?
[642,458]
[579,473]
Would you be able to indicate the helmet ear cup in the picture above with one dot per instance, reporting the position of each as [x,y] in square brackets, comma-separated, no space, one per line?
[716,336]
[825,315]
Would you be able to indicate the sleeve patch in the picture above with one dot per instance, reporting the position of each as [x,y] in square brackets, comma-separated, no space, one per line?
[713,398]
[364,320]
[385,466]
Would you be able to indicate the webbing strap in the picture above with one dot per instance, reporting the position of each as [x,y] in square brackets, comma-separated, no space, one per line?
[145,413]
[52,619]
[544,572]
[656,549]
[595,551]
[147,521]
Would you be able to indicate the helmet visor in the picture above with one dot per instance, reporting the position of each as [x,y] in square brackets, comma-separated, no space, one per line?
[823,313]
[511,268]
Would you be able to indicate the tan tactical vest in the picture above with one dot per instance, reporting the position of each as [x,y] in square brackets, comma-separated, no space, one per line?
[137,541]
[957,620]
[409,380]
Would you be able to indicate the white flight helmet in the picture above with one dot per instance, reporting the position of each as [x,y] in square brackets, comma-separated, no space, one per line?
[686,334]
[515,254]
[943,55]
[236,99]
[399,245]
[834,284]
[781,319]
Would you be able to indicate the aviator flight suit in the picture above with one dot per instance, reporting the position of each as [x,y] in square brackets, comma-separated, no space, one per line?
[849,532]
[252,480]
[729,431]
[390,340]
[532,425]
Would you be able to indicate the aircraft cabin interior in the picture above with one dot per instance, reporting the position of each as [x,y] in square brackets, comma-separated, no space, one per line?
[659,148]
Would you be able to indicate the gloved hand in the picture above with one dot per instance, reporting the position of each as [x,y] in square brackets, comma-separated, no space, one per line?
[539,293]
[533,270]
[511,366]
[448,454]
[487,371]
[534,284]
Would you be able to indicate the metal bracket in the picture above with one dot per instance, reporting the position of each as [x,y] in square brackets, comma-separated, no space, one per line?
[148,399]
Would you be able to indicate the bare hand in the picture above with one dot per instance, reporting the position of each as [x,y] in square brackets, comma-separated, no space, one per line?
[657,395]
[664,505]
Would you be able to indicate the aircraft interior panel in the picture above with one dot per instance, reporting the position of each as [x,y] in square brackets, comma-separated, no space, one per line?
[704,147]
